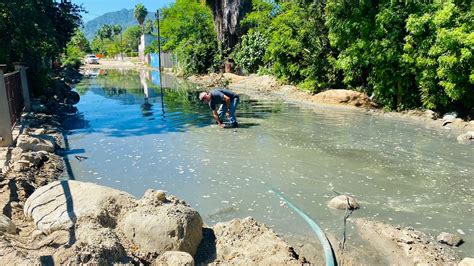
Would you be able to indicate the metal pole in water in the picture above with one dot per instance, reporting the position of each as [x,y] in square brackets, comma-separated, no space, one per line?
[159,59]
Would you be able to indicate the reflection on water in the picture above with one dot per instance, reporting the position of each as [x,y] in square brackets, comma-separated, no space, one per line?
[138,138]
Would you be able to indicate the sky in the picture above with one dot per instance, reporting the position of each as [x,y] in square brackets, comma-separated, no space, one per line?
[97,8]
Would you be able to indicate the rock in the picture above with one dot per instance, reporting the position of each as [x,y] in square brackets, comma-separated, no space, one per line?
[430,114]
[175,258]
[450,115]
[6,225]
[59,204]
[157,226]
[35,158]
[21,165]
[161,195]
[38,108]
[449,239]
[35,143]
[467,262]
[247,242]
[449,118]
[466,137]
[340,203]
[72,97]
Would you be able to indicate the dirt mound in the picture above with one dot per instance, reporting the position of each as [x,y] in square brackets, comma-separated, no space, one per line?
[244,242]
[348,97]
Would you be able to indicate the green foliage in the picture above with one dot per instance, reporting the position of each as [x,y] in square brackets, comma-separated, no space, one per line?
[36,31]
[75,51]
[140,12]
[131,39]
[187,30]
[260,18]
[109,40]
[299,50]
[440,46]
[250,52]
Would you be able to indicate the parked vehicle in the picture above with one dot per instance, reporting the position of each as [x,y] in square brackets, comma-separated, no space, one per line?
[92,59]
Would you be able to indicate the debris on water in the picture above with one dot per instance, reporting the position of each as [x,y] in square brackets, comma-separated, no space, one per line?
[80,158]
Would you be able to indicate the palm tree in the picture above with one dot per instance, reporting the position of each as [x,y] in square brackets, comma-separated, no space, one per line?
[105,32]
[140,14]
[117,29]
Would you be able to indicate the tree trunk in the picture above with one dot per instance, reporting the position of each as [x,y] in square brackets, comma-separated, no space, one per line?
[227,15]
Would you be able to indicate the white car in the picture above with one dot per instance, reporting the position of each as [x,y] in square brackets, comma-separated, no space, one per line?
[92,59]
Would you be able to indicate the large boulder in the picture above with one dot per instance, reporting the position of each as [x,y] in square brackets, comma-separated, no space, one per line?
[58,205]
[343,202]
[247,242]
[162,224]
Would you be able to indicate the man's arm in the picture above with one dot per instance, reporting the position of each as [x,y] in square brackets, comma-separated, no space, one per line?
[216,117]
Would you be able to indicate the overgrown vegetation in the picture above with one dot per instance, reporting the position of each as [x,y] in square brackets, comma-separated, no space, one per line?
[36,32]
[187,30]
[406,54]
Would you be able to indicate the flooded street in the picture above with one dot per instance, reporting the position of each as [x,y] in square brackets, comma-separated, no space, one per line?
[136,138]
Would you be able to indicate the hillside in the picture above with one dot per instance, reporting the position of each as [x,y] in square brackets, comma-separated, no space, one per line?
[122,17]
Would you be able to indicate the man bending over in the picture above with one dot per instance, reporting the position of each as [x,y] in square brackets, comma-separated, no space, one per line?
[228,101]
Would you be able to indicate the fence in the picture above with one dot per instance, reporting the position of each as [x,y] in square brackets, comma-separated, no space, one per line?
[167,60]
[14,98]
[14,95]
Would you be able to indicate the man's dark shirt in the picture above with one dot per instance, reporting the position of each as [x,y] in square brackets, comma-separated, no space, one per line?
[217,97]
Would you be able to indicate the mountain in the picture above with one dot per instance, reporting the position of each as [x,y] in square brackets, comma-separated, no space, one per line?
[122,17]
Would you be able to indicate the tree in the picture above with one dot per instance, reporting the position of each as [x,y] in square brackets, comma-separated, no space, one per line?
[187,30]
[105,32]
[131,39]
[298,49]
[36,32]
[75,50]
[227,15]
[440,48]
[140,12]
[116,29]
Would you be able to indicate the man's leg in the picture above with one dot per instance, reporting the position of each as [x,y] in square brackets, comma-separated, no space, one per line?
[221,111]
[233,107]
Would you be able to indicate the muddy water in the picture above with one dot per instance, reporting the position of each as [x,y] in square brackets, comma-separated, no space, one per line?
[402,172]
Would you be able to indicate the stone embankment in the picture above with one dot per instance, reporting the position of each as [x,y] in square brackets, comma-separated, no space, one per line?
[266,86]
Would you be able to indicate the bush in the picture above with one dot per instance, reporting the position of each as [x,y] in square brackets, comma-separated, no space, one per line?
[250,52]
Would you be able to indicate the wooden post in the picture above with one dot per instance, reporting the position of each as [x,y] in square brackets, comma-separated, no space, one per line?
[6,138]
[24,85]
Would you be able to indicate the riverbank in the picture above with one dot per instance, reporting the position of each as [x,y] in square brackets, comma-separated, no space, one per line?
[269,87]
